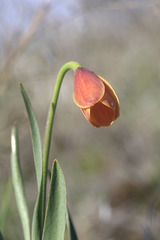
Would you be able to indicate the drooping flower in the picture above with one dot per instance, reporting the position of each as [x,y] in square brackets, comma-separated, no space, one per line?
[95,97]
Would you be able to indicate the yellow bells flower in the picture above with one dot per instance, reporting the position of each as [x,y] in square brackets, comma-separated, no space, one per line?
[95,97]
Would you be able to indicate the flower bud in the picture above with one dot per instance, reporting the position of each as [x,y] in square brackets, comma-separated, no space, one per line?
[95,97]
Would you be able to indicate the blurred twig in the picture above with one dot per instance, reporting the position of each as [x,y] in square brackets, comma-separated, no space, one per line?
[25,39]
[41,13]
[121,5]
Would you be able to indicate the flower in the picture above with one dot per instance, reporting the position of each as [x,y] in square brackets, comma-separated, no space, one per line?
[95,97]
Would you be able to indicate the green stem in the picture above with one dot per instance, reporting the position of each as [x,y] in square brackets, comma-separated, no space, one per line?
[47,141]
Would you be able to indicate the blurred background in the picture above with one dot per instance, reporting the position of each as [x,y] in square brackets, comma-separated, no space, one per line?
[112,174]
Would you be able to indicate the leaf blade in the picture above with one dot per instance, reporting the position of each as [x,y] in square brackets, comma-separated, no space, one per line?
[73,234]
[18,184]
[54,226]
[6,197]
[37,217]
[35,136]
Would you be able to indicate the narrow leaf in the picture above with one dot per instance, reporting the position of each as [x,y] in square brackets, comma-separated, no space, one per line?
[6,197]
[54,226]
[67,235]
[37,222]
[73,234]
[35,135]
[37,217]
[18,184]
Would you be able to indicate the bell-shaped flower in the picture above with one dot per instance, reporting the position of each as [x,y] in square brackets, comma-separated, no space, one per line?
[95,97]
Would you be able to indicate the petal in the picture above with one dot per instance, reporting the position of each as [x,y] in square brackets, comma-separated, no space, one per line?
[86,113]
[110,98]
[102,115]
[99,115]
[88,88]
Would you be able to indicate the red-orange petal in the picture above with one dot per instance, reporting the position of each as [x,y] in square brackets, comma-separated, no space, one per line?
[110,98]
[86,113]
[99,115]
[88,88]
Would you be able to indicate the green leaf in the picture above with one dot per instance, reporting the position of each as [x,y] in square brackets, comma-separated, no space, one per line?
[67,235]
[54,226]
[18,184]
[73,234]
[70,232]
[37,217]
[6,197]
[1,237]
[35,135]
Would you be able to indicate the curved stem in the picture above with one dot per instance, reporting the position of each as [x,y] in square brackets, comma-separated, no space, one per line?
[47,141]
